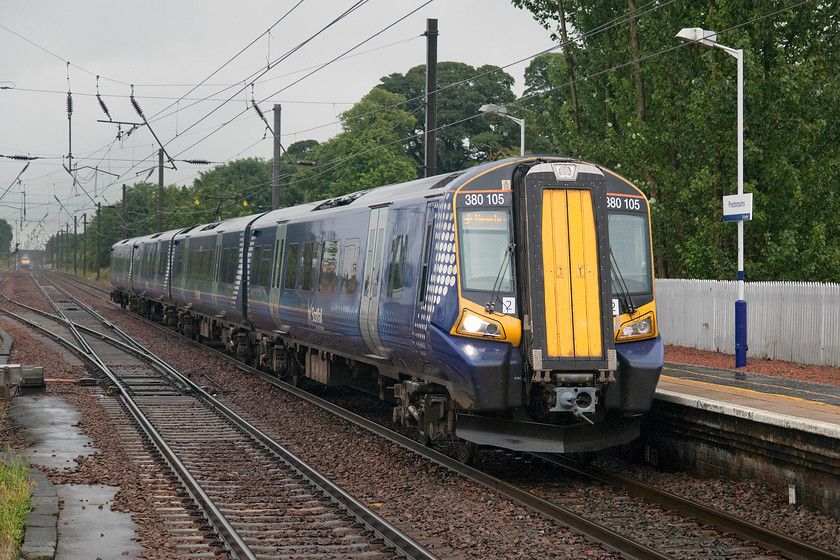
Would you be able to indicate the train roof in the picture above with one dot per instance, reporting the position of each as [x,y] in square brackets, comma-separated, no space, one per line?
[370,197]
[212,228]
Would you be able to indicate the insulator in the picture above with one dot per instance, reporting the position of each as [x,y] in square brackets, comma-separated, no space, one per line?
[258,110]
[137,107]
[104,107]
[21,157]
[197,161]
[69,104]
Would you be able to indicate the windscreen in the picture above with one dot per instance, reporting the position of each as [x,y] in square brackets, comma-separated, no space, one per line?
[484,235]
[630,243]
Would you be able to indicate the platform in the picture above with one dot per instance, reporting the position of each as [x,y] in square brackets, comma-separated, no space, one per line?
[778,401]
[738,425]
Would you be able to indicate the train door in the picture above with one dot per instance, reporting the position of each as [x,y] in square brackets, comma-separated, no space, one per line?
[276,283]
[568,268]
[421,307]
[369,309]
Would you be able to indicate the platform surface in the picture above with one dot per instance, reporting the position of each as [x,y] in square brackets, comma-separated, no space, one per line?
[801,405]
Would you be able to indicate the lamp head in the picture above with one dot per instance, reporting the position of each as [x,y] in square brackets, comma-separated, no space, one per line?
[698,35]
[493,108]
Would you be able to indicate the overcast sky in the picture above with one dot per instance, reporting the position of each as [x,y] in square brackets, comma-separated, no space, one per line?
[192,68]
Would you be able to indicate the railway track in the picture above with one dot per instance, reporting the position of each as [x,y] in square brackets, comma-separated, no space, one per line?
[260,500]
[700,532]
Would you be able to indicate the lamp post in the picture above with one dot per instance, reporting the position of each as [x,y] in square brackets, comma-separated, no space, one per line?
[709,39]
[502,112]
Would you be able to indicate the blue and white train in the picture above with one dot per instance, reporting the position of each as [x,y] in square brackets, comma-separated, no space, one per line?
[511,304]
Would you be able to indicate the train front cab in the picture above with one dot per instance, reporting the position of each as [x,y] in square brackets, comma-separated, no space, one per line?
[592,358]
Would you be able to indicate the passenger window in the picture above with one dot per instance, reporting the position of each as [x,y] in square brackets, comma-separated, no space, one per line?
[308,267]
[291,266]
[233,264]
[162,264]
[349,266]
[255,264]
[396,269]
[329,266]
[265,266]
[223,268]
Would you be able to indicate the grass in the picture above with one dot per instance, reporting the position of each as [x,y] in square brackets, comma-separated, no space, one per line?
[15,500]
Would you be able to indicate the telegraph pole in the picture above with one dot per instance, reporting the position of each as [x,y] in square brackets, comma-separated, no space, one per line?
[84,244]
[160,189]
[278,154]
[431,96]
[98,236]
[124,215]
[75,241]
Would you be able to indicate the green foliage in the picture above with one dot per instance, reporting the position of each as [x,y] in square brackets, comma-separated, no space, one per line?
[668,123]
[6,236]
[369,151]
[15,499]
[463,89]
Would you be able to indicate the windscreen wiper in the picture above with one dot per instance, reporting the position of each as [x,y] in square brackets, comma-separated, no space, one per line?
[624,292]
[497,285]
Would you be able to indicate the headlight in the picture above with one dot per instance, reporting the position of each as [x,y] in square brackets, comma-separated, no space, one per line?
[474,325]
[642,328]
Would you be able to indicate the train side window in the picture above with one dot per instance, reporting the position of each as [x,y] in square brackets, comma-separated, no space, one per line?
[396,269]
[265,265]
[207,265]
[255,264]
[233,263]
[329,266]
[349,266]
[227,269]
[223,268]
[179,265]
[309,266]
[162,263]
[291,266]
[190,264]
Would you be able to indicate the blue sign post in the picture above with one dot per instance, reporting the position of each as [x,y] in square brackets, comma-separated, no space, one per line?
[738,208]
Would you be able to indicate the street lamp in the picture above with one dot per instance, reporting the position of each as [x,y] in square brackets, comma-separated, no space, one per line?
[502,112]
[709,39]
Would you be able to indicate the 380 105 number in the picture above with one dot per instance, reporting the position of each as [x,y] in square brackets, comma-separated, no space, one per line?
[624,203]
[484,199]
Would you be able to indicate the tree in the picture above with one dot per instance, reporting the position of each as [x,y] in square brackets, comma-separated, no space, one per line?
[6,237]
[238,188]
[369,151]
[462,89]
[665,118]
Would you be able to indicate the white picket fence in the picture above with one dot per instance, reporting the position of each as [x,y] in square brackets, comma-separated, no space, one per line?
[794,321]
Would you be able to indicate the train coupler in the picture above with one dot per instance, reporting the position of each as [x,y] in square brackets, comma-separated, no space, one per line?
[577,400]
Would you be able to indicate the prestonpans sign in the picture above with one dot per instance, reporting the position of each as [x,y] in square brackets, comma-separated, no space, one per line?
[737,207]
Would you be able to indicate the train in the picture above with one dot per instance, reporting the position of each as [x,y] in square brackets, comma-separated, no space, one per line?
[510,304]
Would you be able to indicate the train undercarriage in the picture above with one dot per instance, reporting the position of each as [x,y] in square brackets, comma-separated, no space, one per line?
[560,418]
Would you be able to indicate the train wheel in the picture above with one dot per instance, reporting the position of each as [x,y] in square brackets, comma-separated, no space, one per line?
[424,438]
[466,452]
[295,375]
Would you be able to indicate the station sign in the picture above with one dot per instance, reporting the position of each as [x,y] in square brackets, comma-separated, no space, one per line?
[738,207]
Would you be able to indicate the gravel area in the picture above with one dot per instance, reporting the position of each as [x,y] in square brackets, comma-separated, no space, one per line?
[472,521]
[776,368]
